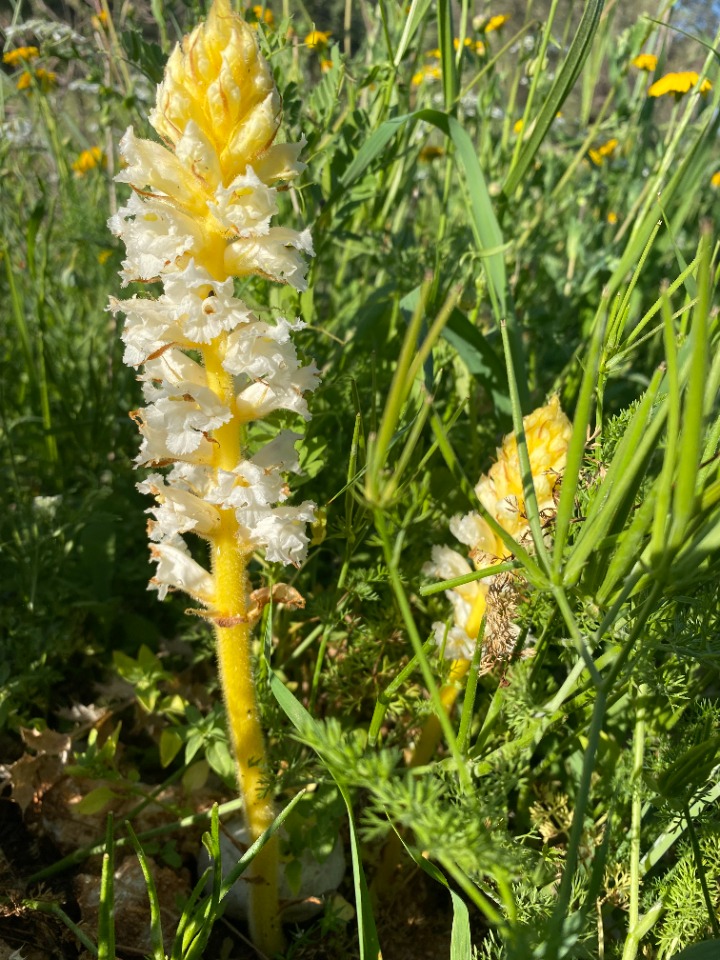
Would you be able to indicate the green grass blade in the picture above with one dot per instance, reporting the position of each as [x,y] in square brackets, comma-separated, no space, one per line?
[578,440]
[664,485]
[301,720]
[156,935]
[418,9]
[106,916]
[447,54]
[627,468]
[564,82]
[690,446]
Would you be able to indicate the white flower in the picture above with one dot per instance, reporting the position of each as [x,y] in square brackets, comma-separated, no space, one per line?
[177,569]
[277,255]
[284,533]
[178,511]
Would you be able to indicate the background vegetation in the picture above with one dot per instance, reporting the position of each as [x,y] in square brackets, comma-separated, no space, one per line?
[524,182]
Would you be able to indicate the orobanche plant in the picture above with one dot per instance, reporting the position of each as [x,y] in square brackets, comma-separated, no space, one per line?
[199,216]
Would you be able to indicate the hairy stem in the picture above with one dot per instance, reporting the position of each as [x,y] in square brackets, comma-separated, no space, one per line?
[234,651]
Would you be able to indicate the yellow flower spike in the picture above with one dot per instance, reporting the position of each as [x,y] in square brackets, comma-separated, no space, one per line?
[678,84]
[645,61]
[20,55]
[547,434]
[218,81]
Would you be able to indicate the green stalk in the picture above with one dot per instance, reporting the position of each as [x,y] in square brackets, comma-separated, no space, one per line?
[631,943]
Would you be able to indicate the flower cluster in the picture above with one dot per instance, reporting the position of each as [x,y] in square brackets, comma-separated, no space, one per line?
[200,214]
[500,491]
[605,151]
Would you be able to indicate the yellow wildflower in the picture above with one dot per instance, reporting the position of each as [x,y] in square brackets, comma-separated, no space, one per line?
[20,55]
[44,78]
[326,65]
[104,256]
[496,22]
[431,153]
[428,72]
[518,125]
[100,20]
[317,38]
[612,217]
[645,61]
[88,160]
[256,14]
[715,179]
[433,53]
[466,42]
[479,48]
[603,152]
[678,83]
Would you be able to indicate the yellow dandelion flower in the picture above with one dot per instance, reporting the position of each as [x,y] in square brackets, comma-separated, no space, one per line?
[433,53]
[678,83]
[467,42]
[317,38]
[99,21]
[256,14]
[45,79]
[518,125]
[496,22]
[20,55]
[603,152]
[88,160]
[104,256]
[645,61]
[715,179]
[479,48]
[428,72]
[612,217]
[326,65]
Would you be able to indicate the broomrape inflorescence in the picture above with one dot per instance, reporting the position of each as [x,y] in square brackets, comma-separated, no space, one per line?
[500,491]
[200,215]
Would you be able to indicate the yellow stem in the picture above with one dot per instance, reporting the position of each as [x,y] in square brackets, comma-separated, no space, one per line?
[234,650]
